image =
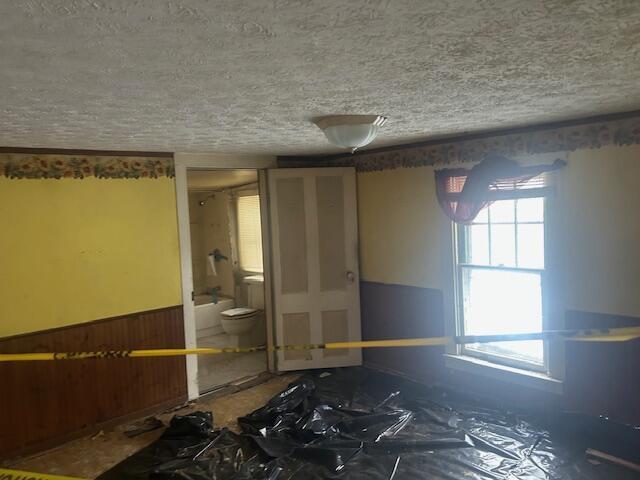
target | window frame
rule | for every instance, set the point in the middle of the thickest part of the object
(459, 243)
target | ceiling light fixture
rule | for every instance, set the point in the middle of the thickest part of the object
(351, 131)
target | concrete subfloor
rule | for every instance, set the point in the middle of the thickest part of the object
(90, 456)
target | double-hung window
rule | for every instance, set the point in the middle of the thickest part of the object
(500, 266)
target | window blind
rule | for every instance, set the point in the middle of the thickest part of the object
(249, 233)
(539, 181)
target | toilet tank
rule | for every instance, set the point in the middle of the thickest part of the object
(255, 291)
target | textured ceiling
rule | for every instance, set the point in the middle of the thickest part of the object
(246, 76)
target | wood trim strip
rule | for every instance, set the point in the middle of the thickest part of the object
(71, 151)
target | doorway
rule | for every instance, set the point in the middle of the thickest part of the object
(227, 269)
(310, 272)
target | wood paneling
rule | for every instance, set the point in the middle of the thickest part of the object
(600, 379)
(44, 401)
(397, 311)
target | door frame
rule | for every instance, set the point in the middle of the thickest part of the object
(211, 161)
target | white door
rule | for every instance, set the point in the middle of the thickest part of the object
(314, 233)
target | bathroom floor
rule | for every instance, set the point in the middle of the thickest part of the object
(216, 370)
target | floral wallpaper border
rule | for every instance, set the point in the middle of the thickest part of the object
(26, 166)
(564, 139)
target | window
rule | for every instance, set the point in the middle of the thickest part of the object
(500, 269)
(249, 233)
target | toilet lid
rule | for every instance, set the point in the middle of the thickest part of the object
(239, 312)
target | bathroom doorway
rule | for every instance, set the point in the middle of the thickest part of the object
(227, 268)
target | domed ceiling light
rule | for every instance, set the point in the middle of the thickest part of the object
(351, 131)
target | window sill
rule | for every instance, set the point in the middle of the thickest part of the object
(519, 376)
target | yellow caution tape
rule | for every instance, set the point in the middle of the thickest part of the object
(593, 335)
(6, 474)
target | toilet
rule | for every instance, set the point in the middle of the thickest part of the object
(242, 324)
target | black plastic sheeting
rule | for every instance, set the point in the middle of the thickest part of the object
(360, 424)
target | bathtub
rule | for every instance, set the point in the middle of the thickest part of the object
(208, 320)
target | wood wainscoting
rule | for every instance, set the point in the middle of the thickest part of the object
(45, 403)
(399, 311)
(600, 378)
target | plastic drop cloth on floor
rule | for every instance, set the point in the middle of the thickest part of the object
(356, 423)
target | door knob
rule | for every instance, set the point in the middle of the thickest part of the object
(351, 276)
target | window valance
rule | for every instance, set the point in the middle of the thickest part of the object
(463, 192)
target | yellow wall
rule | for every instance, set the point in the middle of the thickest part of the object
(73, 251)
(403, 233)
(594, 230)
(599, 208)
